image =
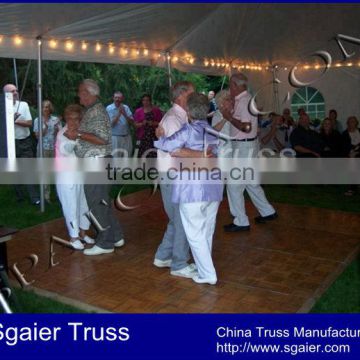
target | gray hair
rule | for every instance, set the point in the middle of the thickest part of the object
(180, 88)
(198, 106)
(91, 86)
(221, 96)
(239, 79)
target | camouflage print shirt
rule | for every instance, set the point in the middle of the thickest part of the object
(95, 121)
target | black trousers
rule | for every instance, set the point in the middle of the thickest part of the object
(24, 149)
(99, 203)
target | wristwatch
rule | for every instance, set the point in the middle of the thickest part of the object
(78, 136)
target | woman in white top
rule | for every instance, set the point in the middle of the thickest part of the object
(71, 194)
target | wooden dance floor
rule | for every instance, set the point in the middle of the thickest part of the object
(281, 266)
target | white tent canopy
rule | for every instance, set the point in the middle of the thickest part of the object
(193, 33)
(205, 38)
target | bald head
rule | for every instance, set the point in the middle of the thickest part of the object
(12, 89)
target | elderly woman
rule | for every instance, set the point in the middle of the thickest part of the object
(146, 120)
(51, 125)
(198, 202)
(71, 195)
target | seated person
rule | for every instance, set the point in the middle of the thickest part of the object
(332, 140)
(198, 202)
(351, 145)
(273, 137)
(306, 142)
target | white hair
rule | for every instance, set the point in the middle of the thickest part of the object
(239, 79)
(180, 88)
(198, 106)
(91, 86)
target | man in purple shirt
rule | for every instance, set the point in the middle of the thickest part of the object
(199, 201)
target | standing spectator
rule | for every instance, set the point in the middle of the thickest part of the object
(146, 120)
(244, 144)
(351, 141)
(333, 144)
(212, 106)
(306, 142)
(94, 140)
(121, 119)
(70, 193)
(51, 125)
(23, 140)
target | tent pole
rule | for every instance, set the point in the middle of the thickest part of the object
(39, 96)
(15, 74)
(276, 103)
(168, 66)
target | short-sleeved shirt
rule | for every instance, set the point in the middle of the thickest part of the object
(49, 137)
(96, 122)
(121, 128)
(173, 121)
(241, 112)
(22, 132)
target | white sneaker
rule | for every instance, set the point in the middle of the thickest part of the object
(120, 243)
(162, 263)
(186, 272)
(96, 250)
(199, 280)
(88, 240)
(77, 245)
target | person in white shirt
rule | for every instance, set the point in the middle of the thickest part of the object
(173, 252)
(243, 131)
(120, 117)
(71, 193)
(23, 140)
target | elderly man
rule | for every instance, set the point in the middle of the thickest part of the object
(244, 144)
(23, 140)
(94, 140)
(120, 116)
(173, 251)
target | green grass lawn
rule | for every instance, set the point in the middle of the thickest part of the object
(342, 296)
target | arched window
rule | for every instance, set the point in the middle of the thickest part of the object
(311, 100)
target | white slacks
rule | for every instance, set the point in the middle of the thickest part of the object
(74, 207)
(199, 221)
(235, 192)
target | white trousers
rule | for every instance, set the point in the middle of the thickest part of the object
(199, 221)
(74, 207)
(235, 192)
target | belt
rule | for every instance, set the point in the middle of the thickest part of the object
(27, 138)
(121, 135)
(250, 139)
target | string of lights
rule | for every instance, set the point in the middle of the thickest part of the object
(70, 46)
